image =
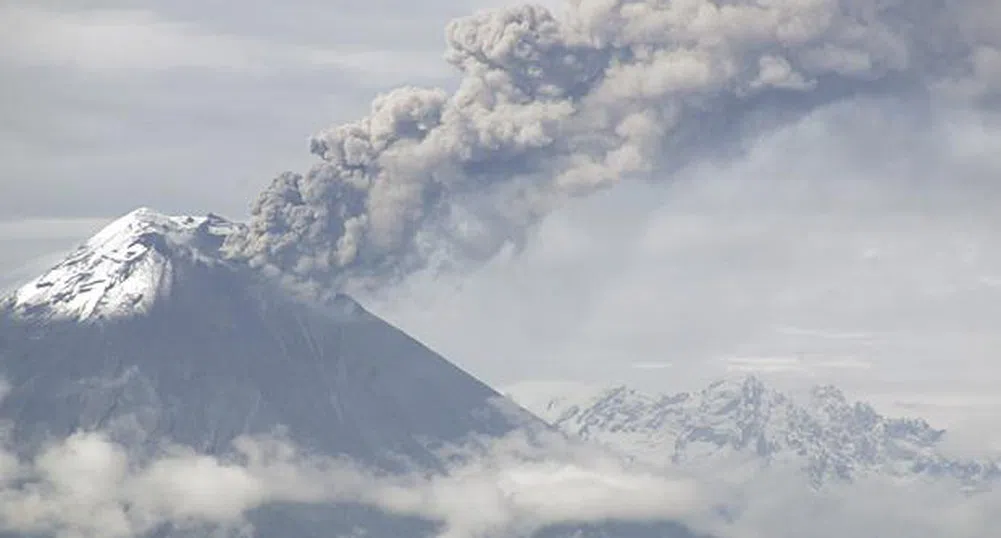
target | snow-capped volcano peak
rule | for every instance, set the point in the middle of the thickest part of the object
(122, 269)
(148, 332)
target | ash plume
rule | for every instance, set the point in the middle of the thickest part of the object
(550, 107)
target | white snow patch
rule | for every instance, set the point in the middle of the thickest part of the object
(121, 270)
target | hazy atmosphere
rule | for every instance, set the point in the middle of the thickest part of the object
(853, 242)
(591, 192)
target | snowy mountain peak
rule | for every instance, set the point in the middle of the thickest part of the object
(748, 393)
(147, 332)
(122, 269)
(825, 434)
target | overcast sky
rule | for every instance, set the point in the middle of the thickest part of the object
(864, 253)
(183, 106)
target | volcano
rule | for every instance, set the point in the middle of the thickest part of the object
(147, 332)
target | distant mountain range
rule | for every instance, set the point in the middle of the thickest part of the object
(824, 434)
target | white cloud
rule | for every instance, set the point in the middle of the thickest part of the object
(71, 489)
(778, 504)
(513, 485)
(89, 486)
(199, 487)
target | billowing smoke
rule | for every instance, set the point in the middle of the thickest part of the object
(549, 107)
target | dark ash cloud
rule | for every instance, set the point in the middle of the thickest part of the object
(550, 107)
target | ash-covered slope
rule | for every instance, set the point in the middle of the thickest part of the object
(825, 434)
(146, 332)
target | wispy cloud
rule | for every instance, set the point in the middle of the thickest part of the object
(50, 228)
(778, 504)
(651, 365)
(133, 39)
(764, 364)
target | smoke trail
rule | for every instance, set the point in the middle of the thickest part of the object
(553, 107)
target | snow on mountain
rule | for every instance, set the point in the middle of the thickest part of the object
(825, 434)
(122, 269)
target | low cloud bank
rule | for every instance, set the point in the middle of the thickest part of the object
(88, 486)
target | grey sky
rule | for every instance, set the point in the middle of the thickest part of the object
(127, 104)
(865, 252)
(849, 248)
(183, 106)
